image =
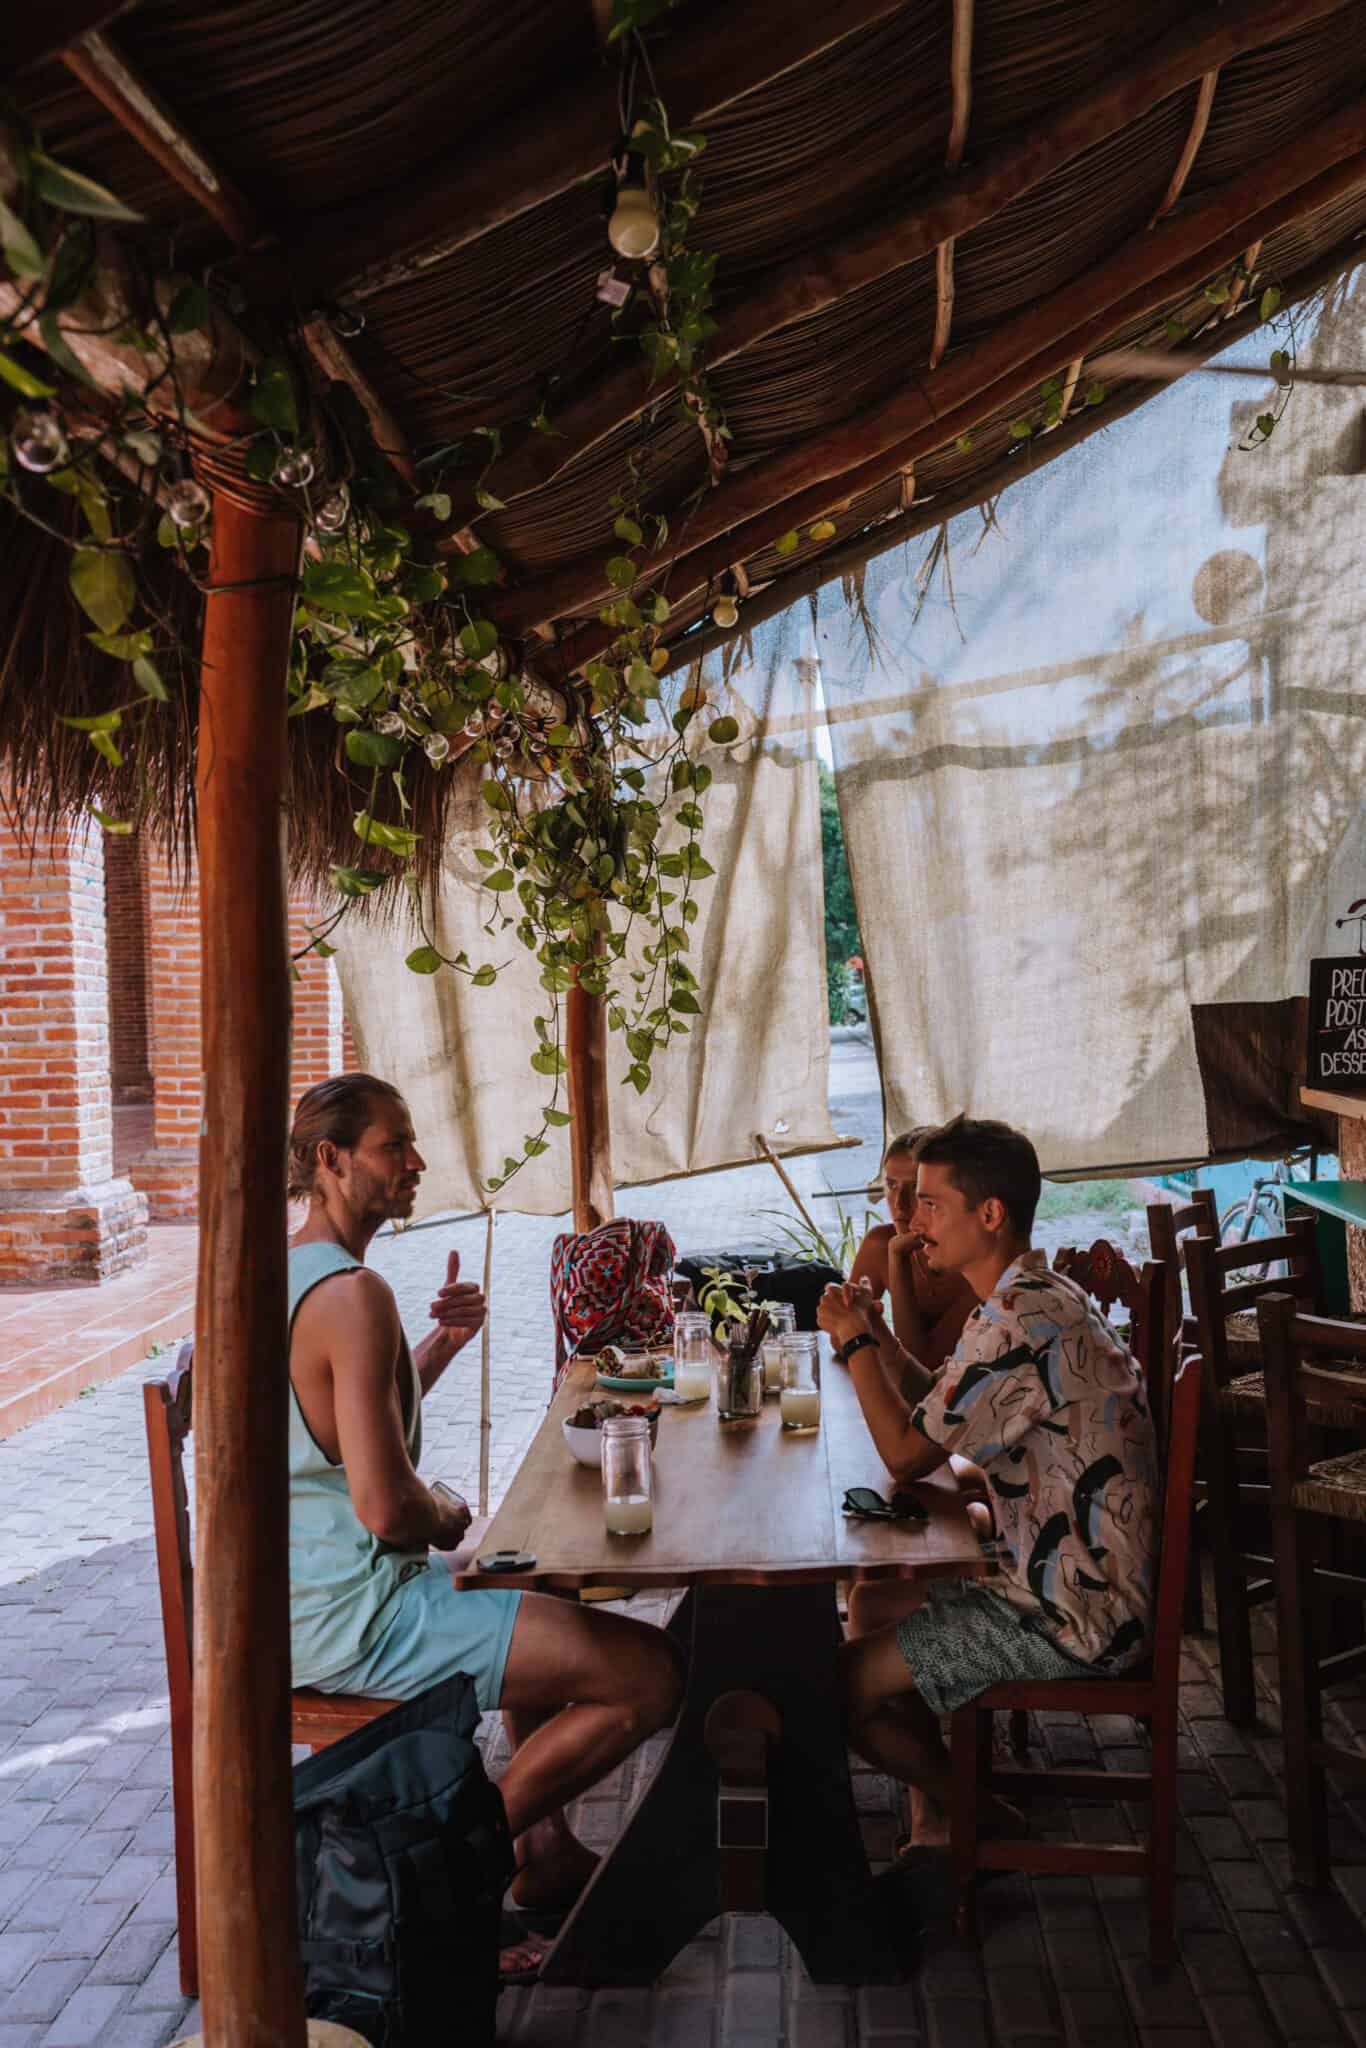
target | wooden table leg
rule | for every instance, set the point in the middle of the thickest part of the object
(661, 1882)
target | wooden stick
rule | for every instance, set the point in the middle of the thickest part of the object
(134, 105)
(878, 540)
(960, 68)
(1004, 369)
(1242, 281)
(251, 1985)
(762, 1144)
(1071, 379)
(1163, 365)
(590, 1132)
(1195, 135)
(953, 204)
(485, 1417)
(553, 145)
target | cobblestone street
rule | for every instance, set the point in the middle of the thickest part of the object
(87, 1903)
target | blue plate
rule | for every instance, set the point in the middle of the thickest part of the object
(618, 1385)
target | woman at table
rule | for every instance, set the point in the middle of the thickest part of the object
(929, 1308)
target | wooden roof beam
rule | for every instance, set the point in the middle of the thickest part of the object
(774, 597)
(1190, 149)
(134, 105)
(1003, 370)
(32, 35)
(546, 149)
(960, 71)
(950, 206)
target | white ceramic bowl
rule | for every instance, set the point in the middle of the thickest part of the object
(584, 1444)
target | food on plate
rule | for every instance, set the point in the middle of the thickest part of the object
(629, 1365)
(593, 1414)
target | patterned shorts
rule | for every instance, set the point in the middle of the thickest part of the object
(966, 1638)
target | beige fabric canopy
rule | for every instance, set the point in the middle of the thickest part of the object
(756, 1062)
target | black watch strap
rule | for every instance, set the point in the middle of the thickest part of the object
(856, 1343)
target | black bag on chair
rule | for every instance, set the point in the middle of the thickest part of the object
(402, 1855)
(778, 1276)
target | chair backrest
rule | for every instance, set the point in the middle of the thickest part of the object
(1290, 1342)
(1108, 1277)
(1178, 1497)
(1167, 1223)
(167, 1411)
(1214, 1300)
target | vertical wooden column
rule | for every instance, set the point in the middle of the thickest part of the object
(251, 1985)
(590, 1133)
(1352, 1164)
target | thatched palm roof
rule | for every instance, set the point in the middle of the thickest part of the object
(922, 212)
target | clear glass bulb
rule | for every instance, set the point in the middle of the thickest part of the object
(293, 469)
(188, 504)
(331, 516)
(38, 441)
(390, 724)
(725, 611)
(633, 229)
(436, 747)
(474, 726)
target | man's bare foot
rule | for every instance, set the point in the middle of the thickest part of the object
(521, 1953)
(553, 1867)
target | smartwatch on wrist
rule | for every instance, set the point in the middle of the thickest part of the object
(855, 1343)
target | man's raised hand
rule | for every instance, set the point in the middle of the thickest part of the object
(458, 1312)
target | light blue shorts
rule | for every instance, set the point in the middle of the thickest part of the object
(434, 1632)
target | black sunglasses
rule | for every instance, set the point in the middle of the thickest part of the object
(865, 1505)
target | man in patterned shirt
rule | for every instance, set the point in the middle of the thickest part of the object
(1043, 1396)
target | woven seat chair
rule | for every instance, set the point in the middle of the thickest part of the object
(1315, 1367)
(316, 1718)
(1232, 1435)
(1149, 1694)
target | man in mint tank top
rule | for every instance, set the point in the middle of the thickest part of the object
(372, 1609)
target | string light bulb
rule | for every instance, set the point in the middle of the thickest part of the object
(436, 747)
(633, 229)
(331, 516)
(725, 612)
(188, 504)
(293, 469)
(38, 441)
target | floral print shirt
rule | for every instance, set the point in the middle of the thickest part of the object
(1042, 1394)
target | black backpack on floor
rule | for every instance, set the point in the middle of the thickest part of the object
(401, 1856)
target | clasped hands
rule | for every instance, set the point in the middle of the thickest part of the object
(848, 1309)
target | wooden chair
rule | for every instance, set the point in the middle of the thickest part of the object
(316, 1718)
(1168, 1224)
(1108, 1277)
(1151, 1695)
(1234, 1408)
(1315, 1371)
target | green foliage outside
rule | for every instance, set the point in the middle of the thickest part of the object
(1085, 1198)
(841, 925)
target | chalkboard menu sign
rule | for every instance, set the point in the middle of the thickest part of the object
(1337, 1023)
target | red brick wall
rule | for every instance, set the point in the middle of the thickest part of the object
(169, 1172)
(62, 1214)
(125, 931)
(57, 1130)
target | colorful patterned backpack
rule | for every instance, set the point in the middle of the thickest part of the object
(612, 1285)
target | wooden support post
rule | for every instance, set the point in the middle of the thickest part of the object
(485, 1343)
(590, 1133)
(1352, 1165)
(251, 1985)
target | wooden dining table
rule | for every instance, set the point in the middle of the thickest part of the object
(751, 1806)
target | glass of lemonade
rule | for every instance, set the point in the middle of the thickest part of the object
(800, 1393)
(694, 1355)
(627, 1478)
(782, 1322)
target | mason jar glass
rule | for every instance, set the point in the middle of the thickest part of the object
(800, 1397)
(782, 1320)
(694, 1355)
(627, 1479)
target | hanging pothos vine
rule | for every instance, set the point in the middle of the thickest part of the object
(584, 786)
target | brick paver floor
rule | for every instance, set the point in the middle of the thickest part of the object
(87, 1903)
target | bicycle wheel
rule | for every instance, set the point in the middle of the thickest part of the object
(1265, 1222)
